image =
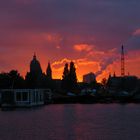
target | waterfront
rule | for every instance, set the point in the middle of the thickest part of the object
(72, 122)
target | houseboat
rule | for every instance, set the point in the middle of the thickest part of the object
(24, 97)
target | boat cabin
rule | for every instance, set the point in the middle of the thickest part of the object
(23, 97)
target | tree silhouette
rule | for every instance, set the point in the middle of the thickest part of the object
(4, 81)
(69, 78)
(72, 77)
(65, 77)
(17, 81)
(11, 80)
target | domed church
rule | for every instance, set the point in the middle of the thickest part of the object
(34, 77)
(35, 67)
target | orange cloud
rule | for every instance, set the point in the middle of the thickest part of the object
(94, 61)
(60, 62)
(82, 65)
(82, 47)
(132, 61)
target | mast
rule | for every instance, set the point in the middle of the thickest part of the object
(122, 62)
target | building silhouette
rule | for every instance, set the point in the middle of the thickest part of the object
(35, 67)
(34, 78)
(88, 78)
(49, 71)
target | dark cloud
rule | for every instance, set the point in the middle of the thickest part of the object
(75, 13)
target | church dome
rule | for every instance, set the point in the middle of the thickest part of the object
(35, 66)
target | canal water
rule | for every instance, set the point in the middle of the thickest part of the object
(72, 122)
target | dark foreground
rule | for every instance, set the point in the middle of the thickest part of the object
(72, 122)
(87, 99)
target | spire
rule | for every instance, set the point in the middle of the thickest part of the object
(35, 65)
(122, 62)
(34, 57)
(49, 71)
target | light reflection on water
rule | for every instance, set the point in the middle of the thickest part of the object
(72, 122)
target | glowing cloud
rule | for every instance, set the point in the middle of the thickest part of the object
(61, 31)
(82, 65)
(83, 47)
(137, 32)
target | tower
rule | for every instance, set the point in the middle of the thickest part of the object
(122, 62)
(49, 71)
(35, 66)
(34, 76)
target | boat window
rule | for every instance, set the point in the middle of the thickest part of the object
(25, 96)
(18, 96)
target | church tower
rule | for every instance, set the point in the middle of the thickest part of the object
(34, 76)
(49, 71)
(35, 67)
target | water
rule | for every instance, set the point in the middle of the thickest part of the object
(72, 122)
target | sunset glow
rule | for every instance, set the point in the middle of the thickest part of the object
(90, 33)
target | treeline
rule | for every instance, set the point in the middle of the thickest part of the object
(11, 79)
(38, 79)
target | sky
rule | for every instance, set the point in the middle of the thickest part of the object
(88, 32)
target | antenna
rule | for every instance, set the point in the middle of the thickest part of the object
(122, 62)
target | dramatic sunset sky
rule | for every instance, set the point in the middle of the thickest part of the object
(89, 32)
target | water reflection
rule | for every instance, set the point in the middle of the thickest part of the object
(72, 122)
